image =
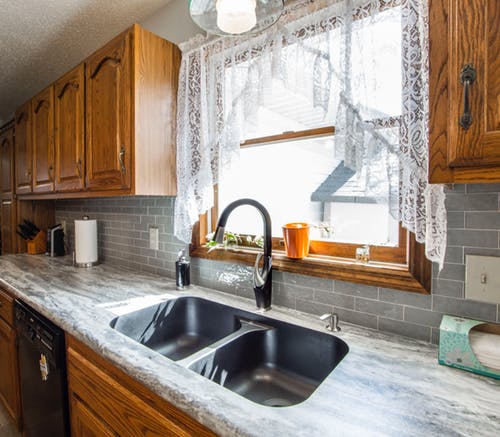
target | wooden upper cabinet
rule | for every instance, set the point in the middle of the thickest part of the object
(106, 127)
(42, 114)
(69, 130)
(131, 93)
(7, 163)
(23, 155)
(464, 91)
(109, 115)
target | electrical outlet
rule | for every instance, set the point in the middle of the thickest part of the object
(154, 238)
(482, 278)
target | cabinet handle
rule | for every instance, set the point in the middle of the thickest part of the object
(121, 159)
(79, 168)
(467, 78)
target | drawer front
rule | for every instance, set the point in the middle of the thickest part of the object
(6, 307)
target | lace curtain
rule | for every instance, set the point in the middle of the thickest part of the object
(343, 58)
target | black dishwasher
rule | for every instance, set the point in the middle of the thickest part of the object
(42, 368)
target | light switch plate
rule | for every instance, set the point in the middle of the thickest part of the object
(482, 278)
(154, 238)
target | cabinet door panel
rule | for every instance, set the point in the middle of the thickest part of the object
(474, 26)
(84, 423)
(7, 164)
(23, 151)
(43, 141)
(109, 116)
(69, 97)
(8, 226)
(9, 378)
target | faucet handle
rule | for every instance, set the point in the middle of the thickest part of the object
(333, 319)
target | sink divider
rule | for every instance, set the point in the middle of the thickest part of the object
(247, 326)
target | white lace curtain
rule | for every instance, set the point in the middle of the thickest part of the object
(363, 62)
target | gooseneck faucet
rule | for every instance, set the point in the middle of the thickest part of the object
(262, 278)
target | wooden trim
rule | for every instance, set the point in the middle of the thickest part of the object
(75, 195)
(288, 136)
(387, 275)
(7, 126)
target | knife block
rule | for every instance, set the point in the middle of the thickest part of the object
(38, 245)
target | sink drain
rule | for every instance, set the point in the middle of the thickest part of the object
(277, 402)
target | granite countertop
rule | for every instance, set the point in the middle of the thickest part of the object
(386, 385)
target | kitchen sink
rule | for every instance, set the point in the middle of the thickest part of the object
(179, 327)
(268, 361)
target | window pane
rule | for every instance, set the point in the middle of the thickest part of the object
(303, 181)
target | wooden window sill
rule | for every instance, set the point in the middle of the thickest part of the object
(387, 275)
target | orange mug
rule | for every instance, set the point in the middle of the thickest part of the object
(296, 237)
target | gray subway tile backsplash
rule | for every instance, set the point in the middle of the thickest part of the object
(472, 202)
(473, 228)
(420, 332)
(473, 238)
(356, 289)
(405, 298)
(379, 308)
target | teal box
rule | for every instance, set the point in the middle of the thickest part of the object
(455, 349)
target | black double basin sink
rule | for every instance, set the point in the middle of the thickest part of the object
(268, 361)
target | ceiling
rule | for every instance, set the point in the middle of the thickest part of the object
(41, 40)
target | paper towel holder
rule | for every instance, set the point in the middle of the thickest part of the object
(85, 265)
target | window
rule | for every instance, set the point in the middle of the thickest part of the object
(292, 161)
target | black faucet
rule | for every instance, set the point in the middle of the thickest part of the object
(262, 278)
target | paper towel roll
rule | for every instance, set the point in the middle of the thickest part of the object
(85, 242)
(486, 347)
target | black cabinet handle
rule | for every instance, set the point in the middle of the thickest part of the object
(467, 78)
(121, 159)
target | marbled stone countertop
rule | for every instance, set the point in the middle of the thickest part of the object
(386, 385)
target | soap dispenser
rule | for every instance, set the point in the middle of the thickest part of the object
(182, 271)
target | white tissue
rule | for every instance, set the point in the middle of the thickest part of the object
(486, 347)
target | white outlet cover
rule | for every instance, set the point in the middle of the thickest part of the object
(154, 238)
(482, 278)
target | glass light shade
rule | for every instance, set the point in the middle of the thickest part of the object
(235, 17)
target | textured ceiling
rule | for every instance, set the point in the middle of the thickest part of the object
(42, 39)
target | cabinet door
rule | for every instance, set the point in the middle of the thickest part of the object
(23, 149)
(84, 423)
(9, 377)
(109, 116)
(475, 53)
(464, 94)
(43, 141)
(8, 226)
(69, 97)
(7, 164)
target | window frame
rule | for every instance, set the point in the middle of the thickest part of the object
(402, 267)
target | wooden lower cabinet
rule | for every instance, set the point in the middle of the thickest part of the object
(10, 396)
(104, 401)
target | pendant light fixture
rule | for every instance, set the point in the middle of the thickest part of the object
(235, 17)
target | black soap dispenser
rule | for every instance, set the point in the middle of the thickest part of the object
(182, 271)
